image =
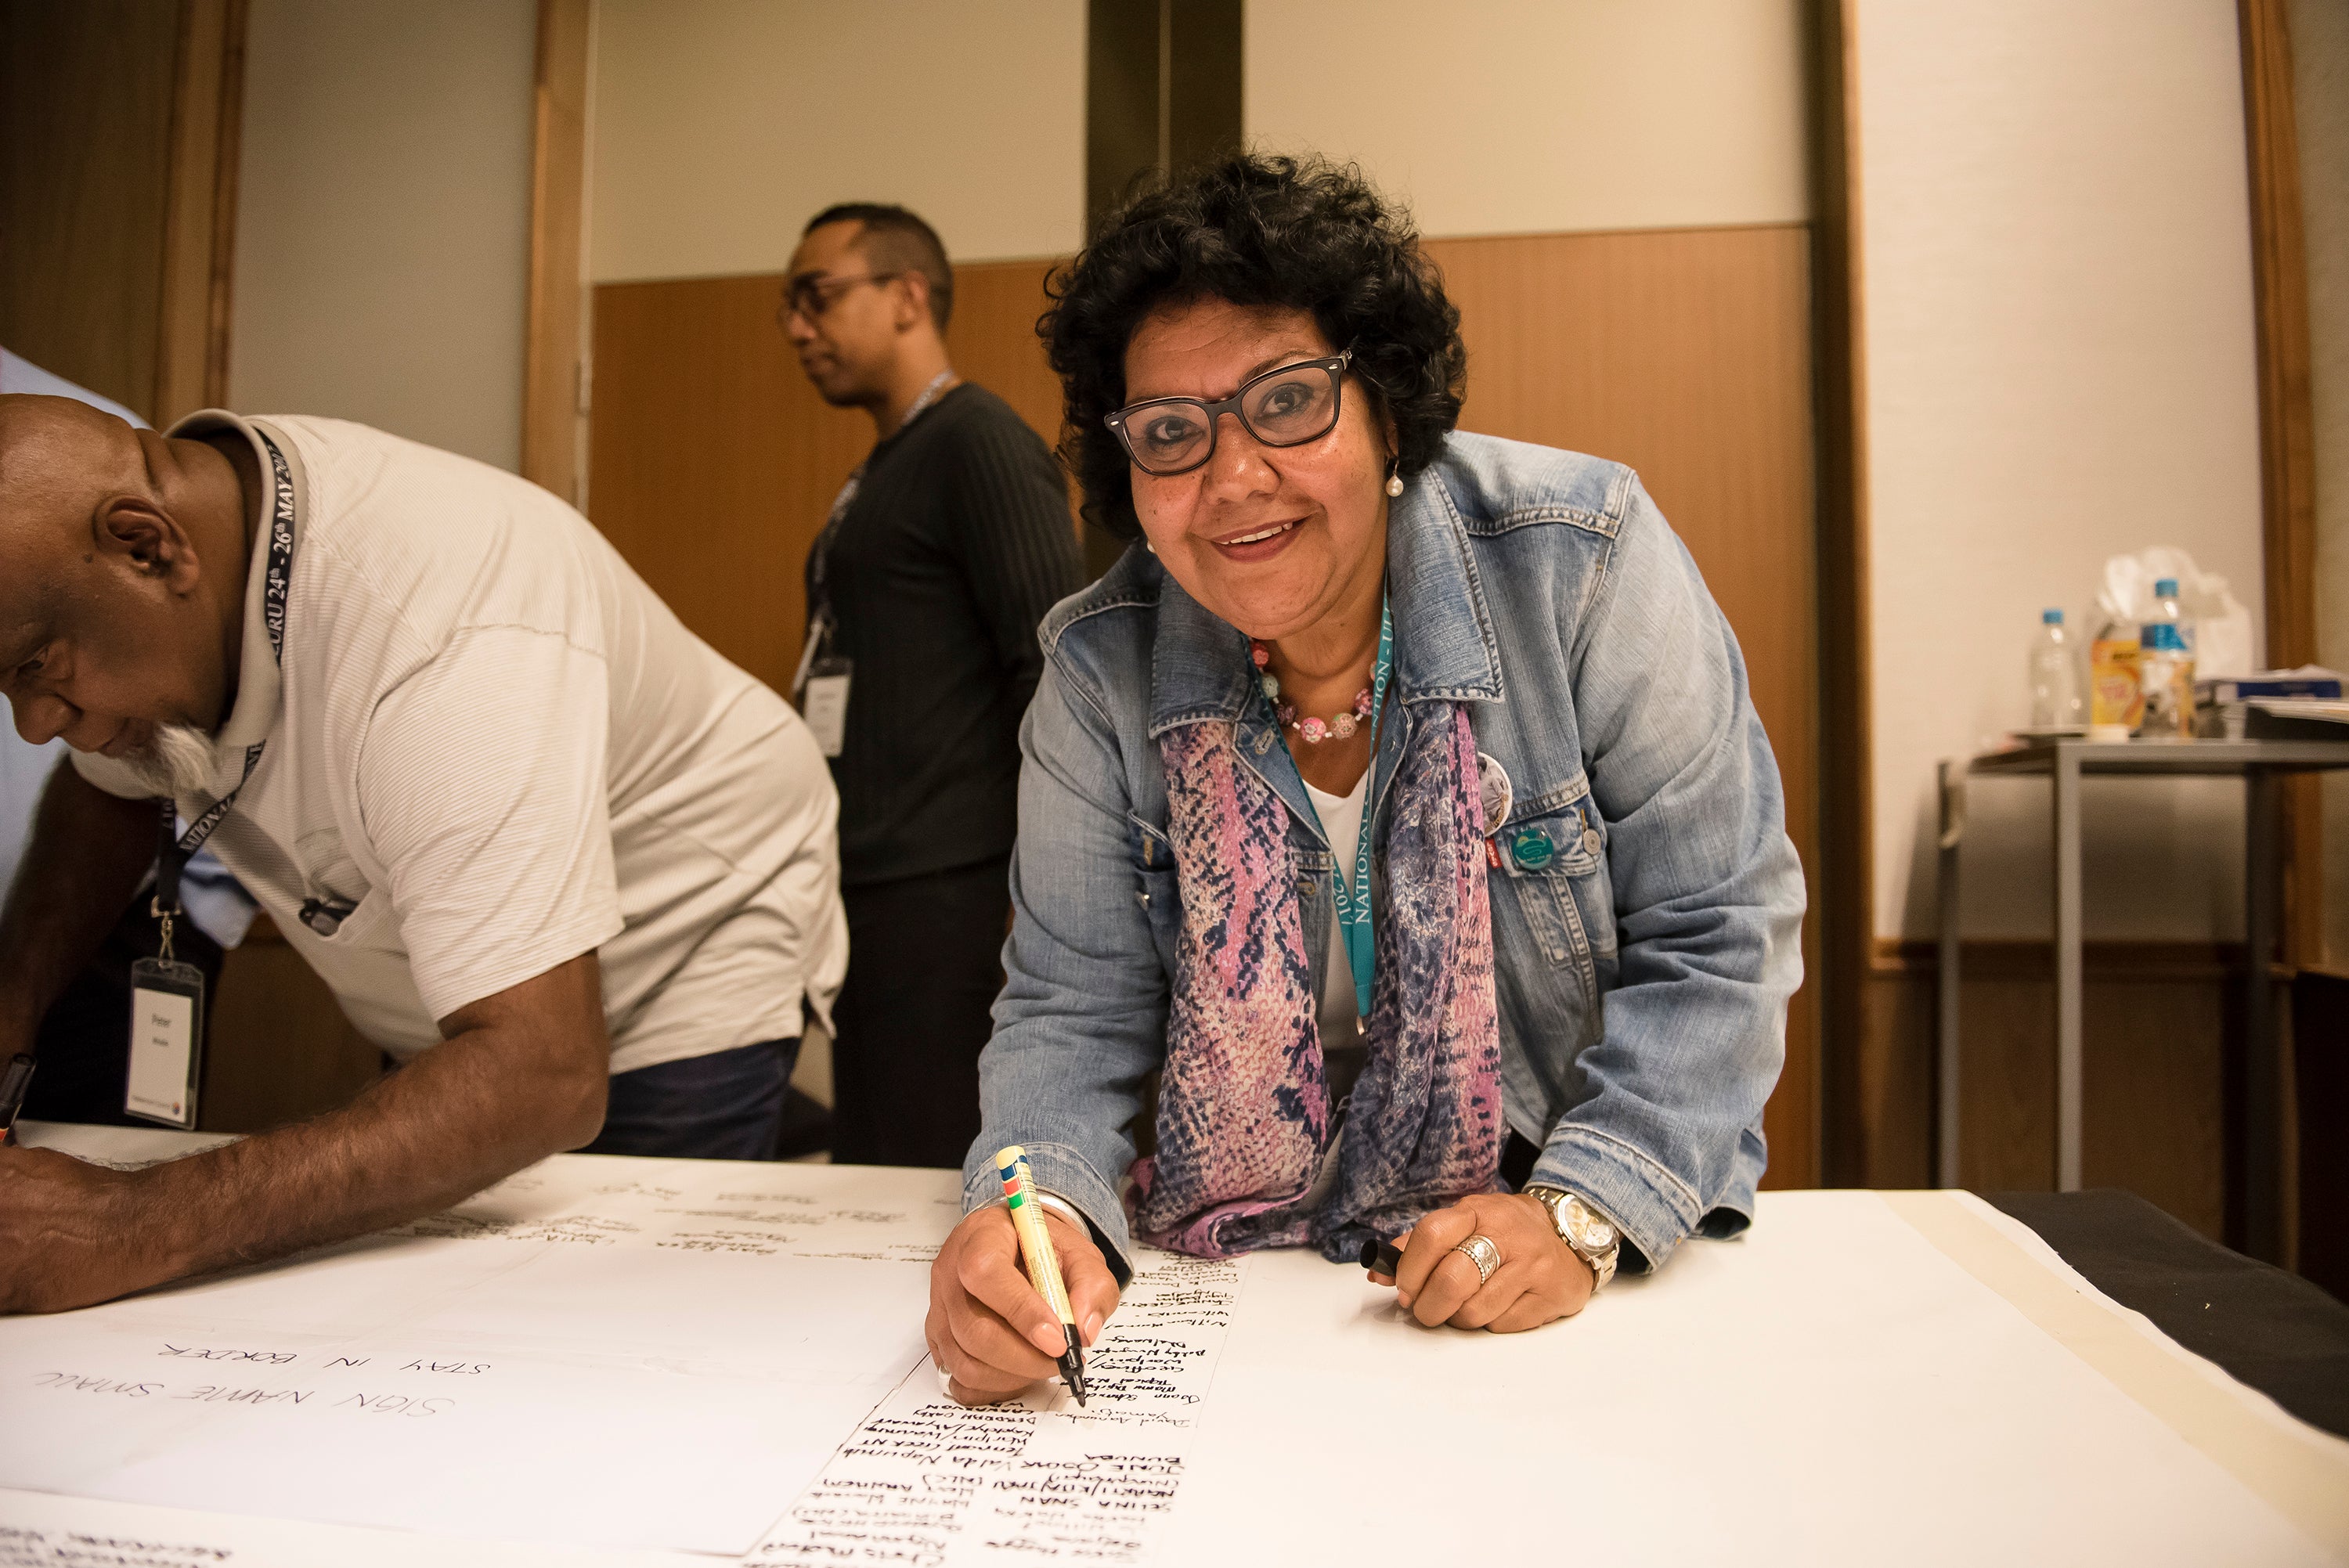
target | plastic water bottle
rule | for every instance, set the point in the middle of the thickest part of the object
(2165, 666)
(2055, 676)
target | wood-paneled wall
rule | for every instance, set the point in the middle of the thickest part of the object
(85, 176)
(281, 1049)
(712, 462)
(1682, 353)
(118, 194)
(2158, 1023)
(1686, 353)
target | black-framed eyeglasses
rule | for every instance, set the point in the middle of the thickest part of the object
(1286, 407)
(811, 297)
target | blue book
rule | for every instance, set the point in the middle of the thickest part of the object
(2242, 688)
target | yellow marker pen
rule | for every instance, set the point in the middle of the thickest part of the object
(1044, 1263)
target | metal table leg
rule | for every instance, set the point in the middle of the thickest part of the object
(1953, 828)
(2067, 781)
(2262, 1173)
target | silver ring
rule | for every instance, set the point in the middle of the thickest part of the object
(1479, 1250)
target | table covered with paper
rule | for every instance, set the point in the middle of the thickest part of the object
(640, 1362)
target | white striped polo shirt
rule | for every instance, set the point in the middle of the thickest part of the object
(499, 749)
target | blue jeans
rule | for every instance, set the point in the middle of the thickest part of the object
(727, 1105)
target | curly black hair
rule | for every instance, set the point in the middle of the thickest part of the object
(1257, 231)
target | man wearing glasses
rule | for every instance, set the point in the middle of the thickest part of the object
(945, 549)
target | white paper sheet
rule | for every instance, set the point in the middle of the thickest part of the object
(1830, 1388)
(1042, 1480)
(652, 1353)
(674, 1352)
(39, 1530)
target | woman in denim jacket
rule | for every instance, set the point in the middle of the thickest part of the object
(1401, 804)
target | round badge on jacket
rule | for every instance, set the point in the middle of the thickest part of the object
(1492, 785)
(1532, 849)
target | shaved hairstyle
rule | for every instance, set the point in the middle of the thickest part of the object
(52, 451)
(895, 240)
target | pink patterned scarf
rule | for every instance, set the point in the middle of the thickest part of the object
(1244, 1113)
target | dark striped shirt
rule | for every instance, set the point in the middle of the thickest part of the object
(959, 541)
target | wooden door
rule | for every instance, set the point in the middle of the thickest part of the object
(118, 190)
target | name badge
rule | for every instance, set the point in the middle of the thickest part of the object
(167, 1012)
(1494, 792)
(824, 703)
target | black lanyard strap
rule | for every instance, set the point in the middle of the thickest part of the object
(173, 849)
(820, 616)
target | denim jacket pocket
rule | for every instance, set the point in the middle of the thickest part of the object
(1154, 885)
(1555, 863)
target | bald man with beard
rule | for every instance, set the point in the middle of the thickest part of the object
(573, 871)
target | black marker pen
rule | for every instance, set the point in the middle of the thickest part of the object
(15, 1079)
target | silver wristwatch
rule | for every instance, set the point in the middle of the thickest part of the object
(1591, 1234)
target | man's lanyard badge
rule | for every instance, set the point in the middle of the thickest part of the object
(166, 997)
(820, 686)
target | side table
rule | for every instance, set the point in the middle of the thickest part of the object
(2259, 763)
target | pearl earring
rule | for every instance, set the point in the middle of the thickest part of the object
(1394, 479)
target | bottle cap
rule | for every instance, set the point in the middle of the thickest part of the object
(2051, 618)
(2165, 588)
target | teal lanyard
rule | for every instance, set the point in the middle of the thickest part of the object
(1354, 897)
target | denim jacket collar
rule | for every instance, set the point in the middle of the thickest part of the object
(1445, 645)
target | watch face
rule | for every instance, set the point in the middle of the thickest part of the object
(1588, 1228)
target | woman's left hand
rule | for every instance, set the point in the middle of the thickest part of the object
(1539, 1280)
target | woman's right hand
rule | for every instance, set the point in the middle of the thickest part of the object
(988, 1330)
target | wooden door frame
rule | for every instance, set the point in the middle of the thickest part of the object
(2287, 432)
(1846, 773)
(200, 210)
(555, 344)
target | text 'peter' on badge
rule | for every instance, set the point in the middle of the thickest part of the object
(824, 703)
(167, 1047)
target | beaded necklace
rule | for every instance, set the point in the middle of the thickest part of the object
(1313, 731)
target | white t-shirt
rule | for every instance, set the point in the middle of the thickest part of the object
(496, 746)
(1342, 820)
(1342, 1042)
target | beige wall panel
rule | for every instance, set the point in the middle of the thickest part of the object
(383, 225)
(1495, 116)
(1685, 354)
(722, 126)
(2061, 367)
